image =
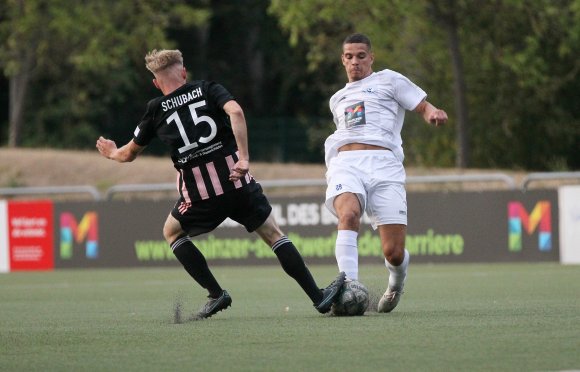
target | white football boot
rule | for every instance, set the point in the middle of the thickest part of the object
(390, 300)
(397, 276)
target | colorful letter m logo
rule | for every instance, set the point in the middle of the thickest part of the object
(540, 219)
(71, 231)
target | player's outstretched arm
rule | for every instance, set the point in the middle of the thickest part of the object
(127, 153)
(431, 114)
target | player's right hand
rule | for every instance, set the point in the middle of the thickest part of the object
(106, 147)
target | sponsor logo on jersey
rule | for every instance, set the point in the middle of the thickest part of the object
(355, 115)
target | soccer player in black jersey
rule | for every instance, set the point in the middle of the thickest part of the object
(206, 131)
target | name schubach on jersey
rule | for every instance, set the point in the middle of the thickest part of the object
(181, 99)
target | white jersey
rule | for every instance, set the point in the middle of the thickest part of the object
(372, 111)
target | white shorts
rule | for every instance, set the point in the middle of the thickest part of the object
(376, 177)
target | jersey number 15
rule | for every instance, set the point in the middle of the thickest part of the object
(196, 120)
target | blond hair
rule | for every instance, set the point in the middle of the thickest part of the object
(159, 60)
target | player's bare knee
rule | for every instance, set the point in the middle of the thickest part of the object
(170, 234)
(270, 232)
(168, 237)
(349, 220)
(394, 256)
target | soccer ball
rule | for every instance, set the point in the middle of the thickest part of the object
(352, 300)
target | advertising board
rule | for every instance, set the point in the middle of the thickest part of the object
(502, 226)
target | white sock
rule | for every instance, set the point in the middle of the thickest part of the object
(346, 252)
(397, 274)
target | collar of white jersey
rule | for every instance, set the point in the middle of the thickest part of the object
(361, 80)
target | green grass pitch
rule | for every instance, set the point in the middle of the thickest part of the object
(501, 317)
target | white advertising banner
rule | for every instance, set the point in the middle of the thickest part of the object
(4, 251)
(569, 205)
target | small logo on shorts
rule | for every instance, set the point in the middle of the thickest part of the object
(339, 187)
(403, 213)
(183, 207)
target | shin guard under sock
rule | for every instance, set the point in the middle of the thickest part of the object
(195, 264)
(294, 265)
(346, 252)
(397, 274)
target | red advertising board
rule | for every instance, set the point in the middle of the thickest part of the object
(30, 239)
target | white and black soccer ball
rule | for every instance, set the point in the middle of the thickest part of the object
(352, 300)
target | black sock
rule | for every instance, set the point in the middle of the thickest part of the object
(195, 264)
(294, 265)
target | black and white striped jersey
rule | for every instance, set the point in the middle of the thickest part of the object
(192, 122)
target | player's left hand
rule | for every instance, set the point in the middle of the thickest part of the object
(240, 169)
(438, 117)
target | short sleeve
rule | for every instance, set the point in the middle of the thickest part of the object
(218, 94)
(145, 131)
(407, 94)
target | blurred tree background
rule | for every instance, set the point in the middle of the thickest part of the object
(506, 71)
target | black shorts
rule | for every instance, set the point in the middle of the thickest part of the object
(248, 206)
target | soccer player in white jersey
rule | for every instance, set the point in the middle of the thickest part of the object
(206, 131)
(364, 159)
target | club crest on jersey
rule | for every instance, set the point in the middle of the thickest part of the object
(355, 115)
